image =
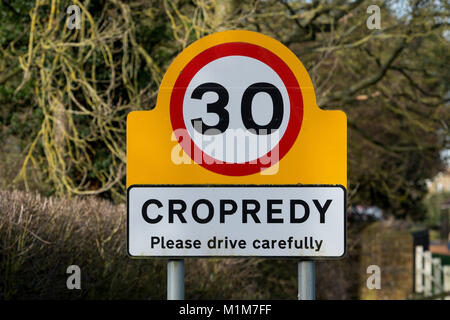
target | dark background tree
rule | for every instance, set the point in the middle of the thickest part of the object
(65, 93)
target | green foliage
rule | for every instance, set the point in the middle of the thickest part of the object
(432, 204)
(65, 93)
(40, 237)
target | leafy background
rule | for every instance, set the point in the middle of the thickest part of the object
(65, 94)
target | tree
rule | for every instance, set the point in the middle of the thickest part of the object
(391, 82)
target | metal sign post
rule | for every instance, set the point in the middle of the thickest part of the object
(175, 279)
(306, 280)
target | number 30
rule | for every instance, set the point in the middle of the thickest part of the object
(219, 106)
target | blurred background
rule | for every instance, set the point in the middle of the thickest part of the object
(65, 93)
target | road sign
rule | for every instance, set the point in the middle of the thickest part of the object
(256, 114)
(236, 128)
(258, 220)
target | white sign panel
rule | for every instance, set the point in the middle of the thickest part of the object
(236, 220)
(231, 86)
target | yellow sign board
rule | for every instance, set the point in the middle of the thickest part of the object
(237, 107)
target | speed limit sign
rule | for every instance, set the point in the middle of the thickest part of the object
(239, 95)
(237, 107)
(236, 158)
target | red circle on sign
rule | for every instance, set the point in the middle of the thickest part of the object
(255, 52)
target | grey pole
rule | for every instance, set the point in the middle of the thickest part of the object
(175, 279)
(306, 280)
